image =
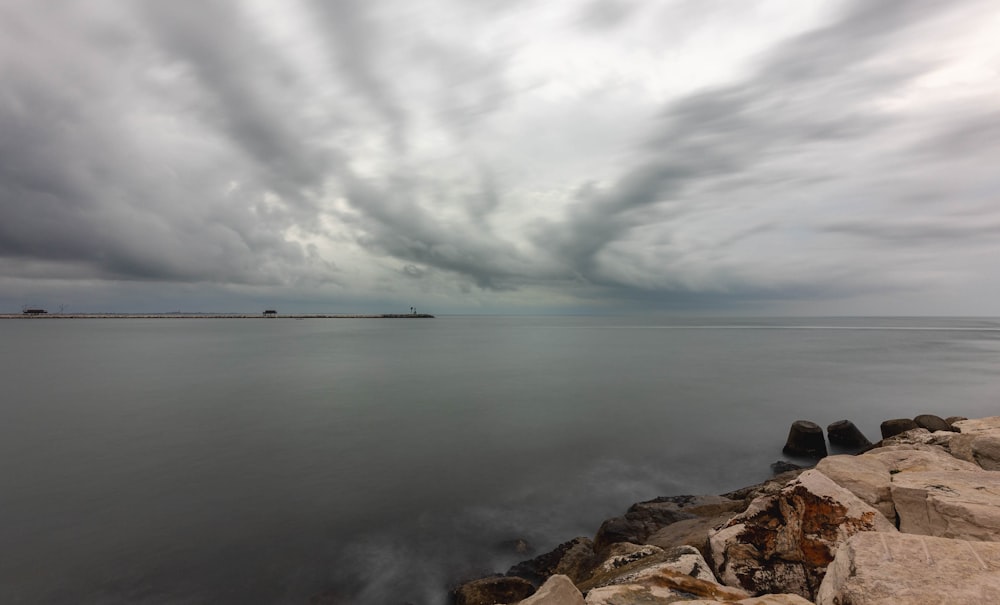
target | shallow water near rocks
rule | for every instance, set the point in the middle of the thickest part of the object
(252, 461)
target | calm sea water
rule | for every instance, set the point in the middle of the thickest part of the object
(240, 461)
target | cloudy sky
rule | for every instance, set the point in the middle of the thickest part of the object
(513, 156)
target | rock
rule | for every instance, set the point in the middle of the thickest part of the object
(557, 590)
(866, 477)
(771, 486)
(932, 423)
(805, 439)
(843, 433)
(949, 503)
(783, 466)
(896, 426)
(978, 425)
(624, 554)
(917, 436)
(953, 419)
(684, 560)
(918, 458)
(645, 518)
(982, 449)
(767, 599)
(492, 590)
(689, 532)
(783, 543)
(899, 569)
(660, 584)
(575, 559)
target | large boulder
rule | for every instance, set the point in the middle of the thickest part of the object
(557, 590)
(575, 559)
(767, 599)
(949, 503)
(900, 569)
(981, 448)
(866, 477)
(783, 543)
(978, 425)
(492, 590)
(917, 458)
(645, 518)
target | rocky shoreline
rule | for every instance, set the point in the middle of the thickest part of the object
(912, 519)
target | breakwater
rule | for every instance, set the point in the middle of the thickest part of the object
(214, 316)
(913, 519)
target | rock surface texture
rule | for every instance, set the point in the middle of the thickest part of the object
(949, 504)
(557, 590)
(900, 569)
(783, 543)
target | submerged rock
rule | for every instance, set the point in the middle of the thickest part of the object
(805, 438)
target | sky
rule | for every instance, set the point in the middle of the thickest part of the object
(772, 157)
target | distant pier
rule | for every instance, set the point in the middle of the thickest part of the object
(214, 316)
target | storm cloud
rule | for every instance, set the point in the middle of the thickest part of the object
(758, 157)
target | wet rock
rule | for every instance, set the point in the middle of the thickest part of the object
(844, 434)
(689, 532)
(492, 590)
(575, 559)
(557, 590)
(900, 569)
(866, 477)
(645, 518)
(932, 423)
(949, 504)
(783, 466)
(782, 543)
(897, 426)
(805, 439)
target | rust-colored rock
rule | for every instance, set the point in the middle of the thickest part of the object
(783, 543)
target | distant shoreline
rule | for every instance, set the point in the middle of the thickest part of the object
(214, 316)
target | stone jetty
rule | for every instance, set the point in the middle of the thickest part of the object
(914, 519)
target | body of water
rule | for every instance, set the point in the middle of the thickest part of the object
(196, 461)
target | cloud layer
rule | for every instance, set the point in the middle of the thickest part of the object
(501, 156)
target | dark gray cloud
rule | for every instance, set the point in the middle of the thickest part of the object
(495, 154)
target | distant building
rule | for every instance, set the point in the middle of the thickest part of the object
(270, 313)
(35, 312)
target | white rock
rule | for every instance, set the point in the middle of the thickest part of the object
(900, 569)
(903, 459)
(867, 478)
(949, 504)
(978, 425)
(557, 590)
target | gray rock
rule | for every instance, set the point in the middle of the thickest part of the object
(844, 434)
(806, 439)
(575, 559)
(896, 426)
(645, 518)
(689, 532)
(900, 569)
(932, 423)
